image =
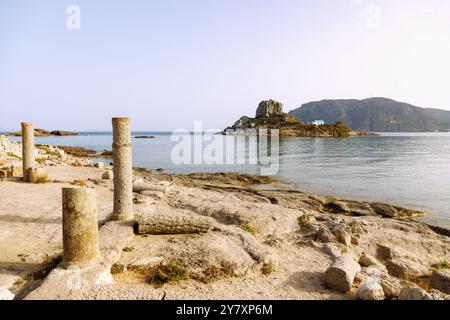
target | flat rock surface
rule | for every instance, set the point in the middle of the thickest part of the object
(31, 219)
(263, 244)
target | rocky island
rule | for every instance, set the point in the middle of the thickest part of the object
(270, 115)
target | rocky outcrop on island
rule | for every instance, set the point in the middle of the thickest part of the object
(44, 133)
(270, 115)
(269, 108)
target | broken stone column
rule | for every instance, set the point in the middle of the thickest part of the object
(27, 148)
(341, 274)
(161, 219)
(37, 174)
(123, 172)
(80, 227)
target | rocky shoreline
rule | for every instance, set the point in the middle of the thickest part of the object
(219, 236)
(44, 133)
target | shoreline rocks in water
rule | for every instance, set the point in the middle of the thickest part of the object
(144, 137)
(85, 153)
(270, 115)
(45, 133)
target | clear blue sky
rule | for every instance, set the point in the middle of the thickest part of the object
(167, 63)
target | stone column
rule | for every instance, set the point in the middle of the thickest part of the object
(80, 227)
(123, 171)
(27, 148)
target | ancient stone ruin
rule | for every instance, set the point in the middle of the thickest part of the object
(28, 148)
(80, 227)
(123, 170)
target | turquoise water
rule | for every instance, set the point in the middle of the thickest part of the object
(411, 170)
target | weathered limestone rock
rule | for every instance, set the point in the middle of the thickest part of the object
(114, 236)
(414, 293)
(392, 287)
(80, 227)
(384, 252)
(37, 174)
(404, 269)
(351, 208)
(367, 260)
(341, 274)
(142, 186)
(107, 175)
(163, 220)
(28, 160)
(440, 280)
(5, 294)
(438, 295)
(325, 235)
(61, 283)
(370, 290)
(269, 108)
(333, 249)
(147, 262)
(384, 210)
(123, 171)
(342, 235)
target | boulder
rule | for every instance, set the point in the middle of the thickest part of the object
(63, 133)
(269, 108)
(333, 249)
(342, 235)
(384, 210)
(404, 269)
(384, 252)
(370, 290)
(341, 273)
(414, 293)
(392, 287)
(367, 260)
(350, 208)
(325, 235)
(440, 280)
(107, 175)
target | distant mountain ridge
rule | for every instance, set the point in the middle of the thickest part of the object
(375, 114)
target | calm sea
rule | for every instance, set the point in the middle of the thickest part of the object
(411, 170)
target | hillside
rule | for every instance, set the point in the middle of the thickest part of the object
(375, 114)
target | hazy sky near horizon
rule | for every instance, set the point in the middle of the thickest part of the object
(168, 63)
